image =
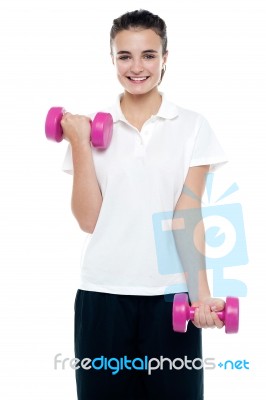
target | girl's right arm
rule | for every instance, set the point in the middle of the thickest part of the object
(86, 195)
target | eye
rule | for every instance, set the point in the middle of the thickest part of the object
(149, 56)
(123, 57)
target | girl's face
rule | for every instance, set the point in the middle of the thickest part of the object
(137, 56)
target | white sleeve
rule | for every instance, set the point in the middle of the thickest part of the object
(68, 163)
(207, 149)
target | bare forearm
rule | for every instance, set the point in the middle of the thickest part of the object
(197, 279)
(191, 250)
(189, 233)
(86, 195)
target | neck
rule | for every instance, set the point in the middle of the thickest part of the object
(141, 106)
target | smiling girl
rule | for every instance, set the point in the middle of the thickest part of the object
(159, 152)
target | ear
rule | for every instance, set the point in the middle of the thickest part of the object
(112, 57)
(165, 56)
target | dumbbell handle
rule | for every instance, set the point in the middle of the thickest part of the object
(220, 314)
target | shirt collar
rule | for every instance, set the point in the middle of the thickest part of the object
(167, 110)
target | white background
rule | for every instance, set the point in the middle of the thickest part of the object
(56, 52)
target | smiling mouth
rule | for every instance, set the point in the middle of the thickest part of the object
(138, 79)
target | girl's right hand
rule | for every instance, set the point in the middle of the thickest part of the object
(76, 128)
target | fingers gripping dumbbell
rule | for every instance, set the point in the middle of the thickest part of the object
(182, 313)
(101, 127)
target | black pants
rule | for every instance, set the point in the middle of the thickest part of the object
(138, 327)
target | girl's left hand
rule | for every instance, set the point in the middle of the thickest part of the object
(205, 313)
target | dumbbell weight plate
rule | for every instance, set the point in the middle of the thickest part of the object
(53, 129)
(101, 130)
(180, 313)
(231, 315)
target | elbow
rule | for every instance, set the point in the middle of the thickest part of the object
(86, 224)
(87, 227)
(86, 220)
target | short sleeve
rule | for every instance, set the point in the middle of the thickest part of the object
(68, 163)
(207, 149)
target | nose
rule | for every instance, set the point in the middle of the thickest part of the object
(136, 66)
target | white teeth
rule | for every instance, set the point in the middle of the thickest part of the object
(137, 79)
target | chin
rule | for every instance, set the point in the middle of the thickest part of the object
(140, 90)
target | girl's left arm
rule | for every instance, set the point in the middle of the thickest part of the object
(188, 213)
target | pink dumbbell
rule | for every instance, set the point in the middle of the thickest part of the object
(182, 313)
(101, 127)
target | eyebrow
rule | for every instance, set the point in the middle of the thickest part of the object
(143, 52)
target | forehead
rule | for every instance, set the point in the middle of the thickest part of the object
(137, 39)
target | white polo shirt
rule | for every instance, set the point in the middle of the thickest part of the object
(140, 175)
